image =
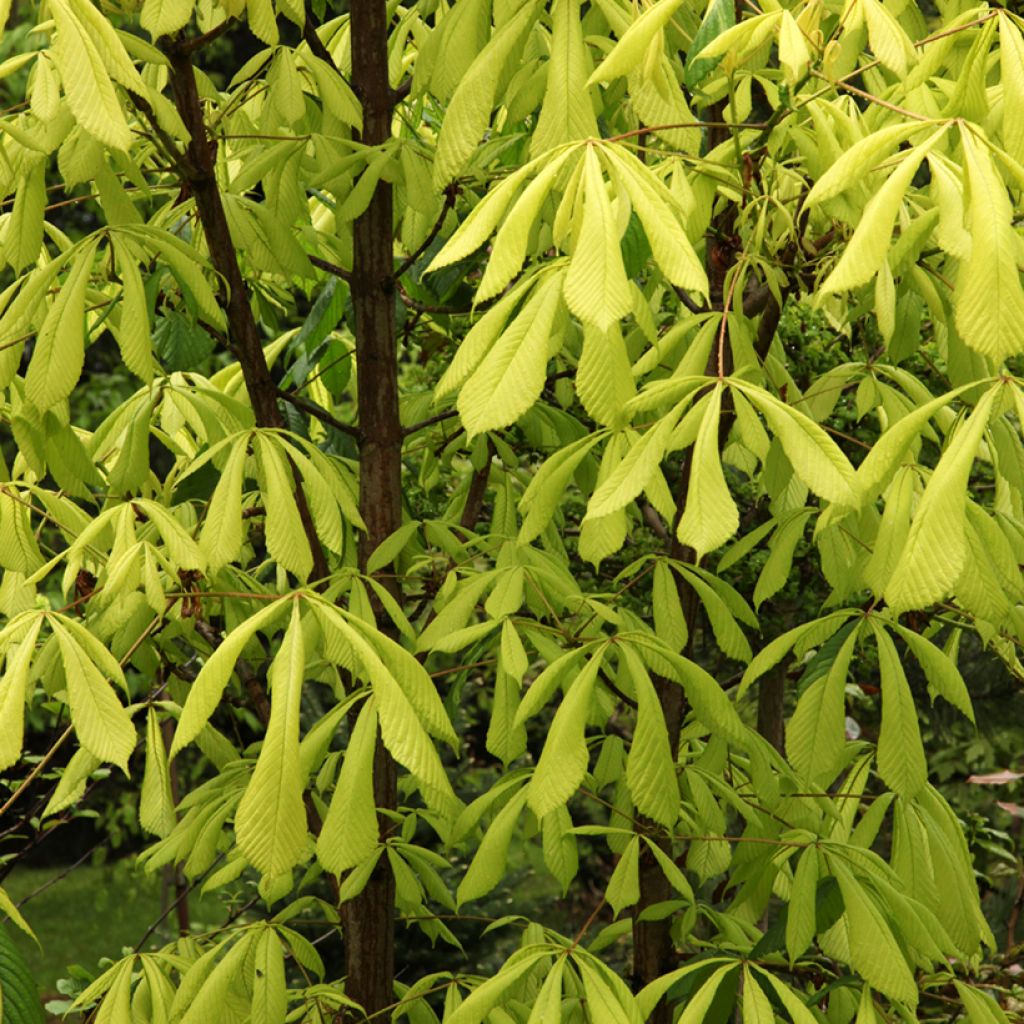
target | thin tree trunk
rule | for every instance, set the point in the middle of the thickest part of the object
(369, 919)
(653, 949)
(771, 718)
(198, 166)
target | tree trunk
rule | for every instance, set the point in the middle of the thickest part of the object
(369, 919)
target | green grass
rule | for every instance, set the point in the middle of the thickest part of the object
(91, 913)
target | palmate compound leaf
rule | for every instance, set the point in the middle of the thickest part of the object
(485, 216)
(710, 516)
(508, 253)
(405, 717)
(563, 761)
(989, 297)
(866, 250)
(270, 822)
(596, 286)
(936, 545)
(697, 1007)
(350, 833)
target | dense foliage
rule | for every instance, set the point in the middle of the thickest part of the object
(572, 434)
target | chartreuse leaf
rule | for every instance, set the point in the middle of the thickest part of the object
(1011, 67)
(901, 760)
(270, 822)
(803, 906)
(890, 43)
(656, 207)
(269, 989)
(350, 833)
(488, 995)
(286, 538)
(623, 889)
(757, 1008)
(485, 217)
(402, 721)
(13, 691)
(563, 761)
(101, 722)
(710, 516)
(60, 345)
(156, 805)
(566, 113)
(508, 252)
(795, 1006)
(488, 865)
(815, 733)
(697, 1007)
(887, 452)
(205, 694)
(547, 1007)
(860, 160)
(981, 1007)
(629, 51)
(134, 336)
(219, 987)
(989, 297)
(867, 248)
(469, 111)
(596, 286)
(634, 472)
(221, 535)
(87, 85)
(511, 376)
(650, 766)
(816, 459)
(939, 669)
(604, 379)
(874, 952)
(163, 17)
(936, 545)
(649, 996)
(706, 696)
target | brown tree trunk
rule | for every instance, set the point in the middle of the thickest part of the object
(653, 949)
(369, 919)
(198, 166)
(771, 718)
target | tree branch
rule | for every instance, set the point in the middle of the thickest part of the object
(320, 413)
